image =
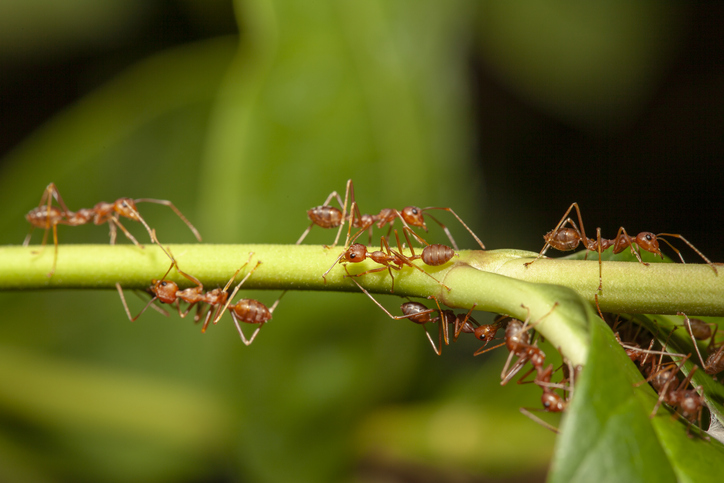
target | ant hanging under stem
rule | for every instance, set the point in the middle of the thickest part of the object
(518, 343)
(700, 330)
(420, 314)
(674, 393)
(47, 216)
(248, 310)
(167, 292)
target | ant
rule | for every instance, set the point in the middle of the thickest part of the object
(388, 258)
(674, 393)
(518, 343)
(565, 238)
(486, 333)
(248, 310)
(420, 314)
(47, 216)
(700, 330)
(552, 401)
(327, 216)
(167, 292)
(330, 217)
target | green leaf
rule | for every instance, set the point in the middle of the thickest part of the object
(607, 434)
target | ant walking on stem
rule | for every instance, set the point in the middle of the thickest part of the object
(388, 258)
(47, 216)
(567, 238)
(327, 216)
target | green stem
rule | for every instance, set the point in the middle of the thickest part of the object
(494, 280)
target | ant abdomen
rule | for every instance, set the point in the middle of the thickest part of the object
(251, 311)
(325, 216)
(436, 254)
(416, 312)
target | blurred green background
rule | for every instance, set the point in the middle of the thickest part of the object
(245, 114)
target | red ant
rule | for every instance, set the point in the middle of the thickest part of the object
(674, 393)
(248, 310)
(167, 292)
(564, 238)
(420, 314)
(700, 330)
(327, 216)
(486, 333)
(518, 343)
(388, 258)
(330, 217)
(47, 216)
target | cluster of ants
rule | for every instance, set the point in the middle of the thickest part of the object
(663, 375)
(566, 236)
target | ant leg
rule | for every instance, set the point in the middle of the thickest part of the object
(461, 222)
(459, 327)
(241, 334)
(687, 324)
(333, 194)
(690, 246)
(125, 305)
(538, 420)
(113, 222)
(429, 337)
(236, 289)
(175, 210)
(348, 190)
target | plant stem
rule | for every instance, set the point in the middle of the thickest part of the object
(494, 280)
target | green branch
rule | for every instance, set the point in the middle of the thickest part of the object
(494, 280)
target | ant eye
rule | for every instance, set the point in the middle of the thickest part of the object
(163, 284)
(414, 211)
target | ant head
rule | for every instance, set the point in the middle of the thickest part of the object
(486, 332)
(648, 241)
(164, 290)
(356, 253)
(126, 207)
(552, 402)
(413, 216)
(690, 404)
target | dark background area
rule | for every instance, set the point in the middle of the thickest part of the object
(659, 169)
